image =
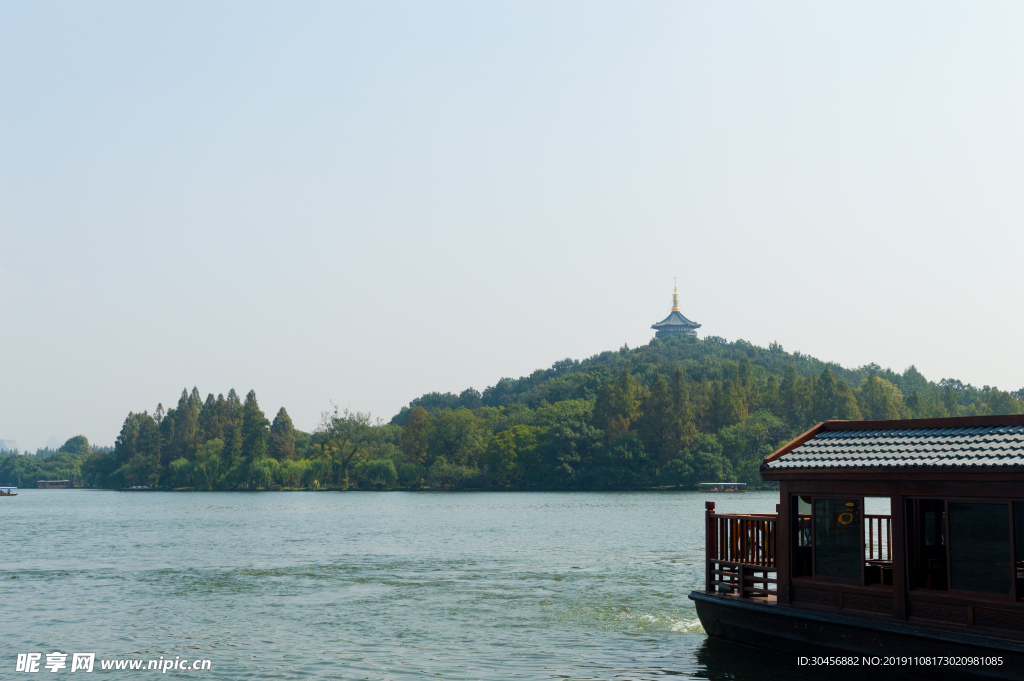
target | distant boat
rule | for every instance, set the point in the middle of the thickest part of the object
(8, 491)
(53, 484)
(722, 486)
(137, 488)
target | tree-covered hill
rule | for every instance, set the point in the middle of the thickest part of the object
(673, 413)
(682, 410)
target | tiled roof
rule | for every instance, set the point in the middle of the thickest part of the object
(675, 319)
(968, 446)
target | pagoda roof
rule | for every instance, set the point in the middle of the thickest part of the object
(675, 318)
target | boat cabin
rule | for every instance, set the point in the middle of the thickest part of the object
(917, 521)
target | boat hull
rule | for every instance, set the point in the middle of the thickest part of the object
(877, 646)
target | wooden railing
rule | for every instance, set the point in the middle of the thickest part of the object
(740, 551)
(878, 537)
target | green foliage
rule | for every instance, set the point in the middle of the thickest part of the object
(377, 474)
(445, 475)
(254, 429)
(79, 445)
(880, 399)
(674, 413)
(414, 435)
(342, 437)
(282, 437)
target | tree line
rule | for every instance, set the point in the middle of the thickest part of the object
(673, 413)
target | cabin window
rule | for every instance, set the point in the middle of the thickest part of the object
(964, 545)
(803, 557)
(847, 539)
(928, 548)
(1018, 546)
(838, 539)
(980, 551)
(878, 540)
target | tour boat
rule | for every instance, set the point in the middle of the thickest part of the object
(137, 488)
(8, 491)
(934, 587)
(53, 484)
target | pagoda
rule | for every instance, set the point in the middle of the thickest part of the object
(675, 324)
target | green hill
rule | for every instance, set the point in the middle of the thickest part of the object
(682, 410)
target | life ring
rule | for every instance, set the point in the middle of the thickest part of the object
(845, 518)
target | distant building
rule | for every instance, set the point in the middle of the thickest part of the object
(675, 324)
(8, 445)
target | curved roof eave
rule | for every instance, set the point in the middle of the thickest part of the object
(676, 319)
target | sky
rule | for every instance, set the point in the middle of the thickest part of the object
(355, 203)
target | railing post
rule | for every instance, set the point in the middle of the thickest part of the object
(710, 545)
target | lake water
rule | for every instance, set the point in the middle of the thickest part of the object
(388, 585)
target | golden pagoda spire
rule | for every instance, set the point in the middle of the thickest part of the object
(675, 296)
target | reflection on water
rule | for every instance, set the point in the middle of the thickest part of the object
(372, 585)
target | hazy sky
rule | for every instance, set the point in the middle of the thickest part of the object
(363, 202)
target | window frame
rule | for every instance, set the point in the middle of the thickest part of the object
(1015, 594)
(795, 500)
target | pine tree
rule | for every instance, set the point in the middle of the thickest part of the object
(185, 438)
(282, 437)
(233, 445)
(254, 429)
(210, 425)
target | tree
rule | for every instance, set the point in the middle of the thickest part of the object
(470, 399)
(728, 406)
(622, 463)
(341, 436)
(508, 452)
(458, 436)
(998, 402)
(677, 473)
(184, 438)
(880, 400)
(443, 474)
(254, 429)
(79, 444)
(568, 452)
(379, 473)
(706, 461)
(180, 472)
(232, 411)
(209, 464)
(794, 397)
(282, 437)
(415, 435)
(211, 424)
(233, 445)
(833, 399)
(658, 426)
(618, 405)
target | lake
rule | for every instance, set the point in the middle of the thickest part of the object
(365, 585)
